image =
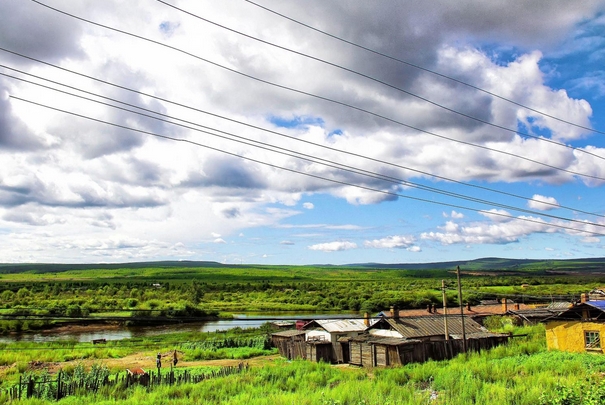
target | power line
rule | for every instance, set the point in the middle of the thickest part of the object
(309, 174)
(297, 155)
(278, 133)
(425, 69)
(379, 81)
(315, 95)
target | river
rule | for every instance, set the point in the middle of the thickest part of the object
(87, 334)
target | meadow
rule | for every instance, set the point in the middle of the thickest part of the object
(521, 372)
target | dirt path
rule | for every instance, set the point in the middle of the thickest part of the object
(147, 362)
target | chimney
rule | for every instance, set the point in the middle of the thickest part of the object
(394, 312)
(366, 319)
(516, 306)
(504, 305)
(583, 298)
(428, 308)
(468, 306)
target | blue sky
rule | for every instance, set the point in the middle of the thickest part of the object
(268, 130)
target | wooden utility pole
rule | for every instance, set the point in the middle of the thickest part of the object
(461, 309)
(447, 334)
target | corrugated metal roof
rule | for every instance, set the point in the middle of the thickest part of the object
(559, 305)
(421, 326)
(342, 325)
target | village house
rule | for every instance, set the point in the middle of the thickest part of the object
(577, 329)
(384, 341)
(323, 338)
(400, 340)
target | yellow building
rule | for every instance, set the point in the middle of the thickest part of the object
(579, 329)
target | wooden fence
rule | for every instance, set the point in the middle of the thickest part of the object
(62, 387)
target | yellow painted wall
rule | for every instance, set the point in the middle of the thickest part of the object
(569, 335)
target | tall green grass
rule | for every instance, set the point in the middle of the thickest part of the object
(521, 372)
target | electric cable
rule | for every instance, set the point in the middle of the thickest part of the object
(494, 213)
(302, 156)
(281, 134)
(314, 95)
(407, 63)
(332, 64)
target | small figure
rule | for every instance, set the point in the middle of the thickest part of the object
(158, 360)
(175, 359)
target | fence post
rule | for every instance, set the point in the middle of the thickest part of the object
(30, 387)
(19, 389)
(59, 386)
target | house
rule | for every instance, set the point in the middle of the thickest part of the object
(324, 338)
(577, 329)
(476, 312)
(402, 340)
(319, 340)
(533, 316)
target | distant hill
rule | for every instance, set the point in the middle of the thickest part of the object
(484, 264)
(495, 263)
(57, 268)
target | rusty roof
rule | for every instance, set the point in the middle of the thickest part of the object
(475, 310)
(136, 371)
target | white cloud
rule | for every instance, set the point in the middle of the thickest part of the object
(540, 202)
(391, 242)
(81, 180)
(333, 246)
(492, 233)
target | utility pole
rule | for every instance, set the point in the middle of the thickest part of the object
(461, 309)
(447, 334)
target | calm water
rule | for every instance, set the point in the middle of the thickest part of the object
(240, 320)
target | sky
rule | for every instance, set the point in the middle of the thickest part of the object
(283, 132)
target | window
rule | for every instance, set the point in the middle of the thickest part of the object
(592, 339)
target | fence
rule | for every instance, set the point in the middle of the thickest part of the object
(63, 386)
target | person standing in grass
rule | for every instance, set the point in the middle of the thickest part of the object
(174, 358)
(158, 361)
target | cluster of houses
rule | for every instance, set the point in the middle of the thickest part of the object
(399, 337)
(386, 340)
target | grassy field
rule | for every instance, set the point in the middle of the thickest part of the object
(521, 372)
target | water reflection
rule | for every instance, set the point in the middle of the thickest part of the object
(248, 320)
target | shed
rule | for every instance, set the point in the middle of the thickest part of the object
(374, 351)
(290, 343)
(331, 331)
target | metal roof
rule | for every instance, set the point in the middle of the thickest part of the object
(339, 325)
(422, 326)
(559, 305)
(600, 304)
